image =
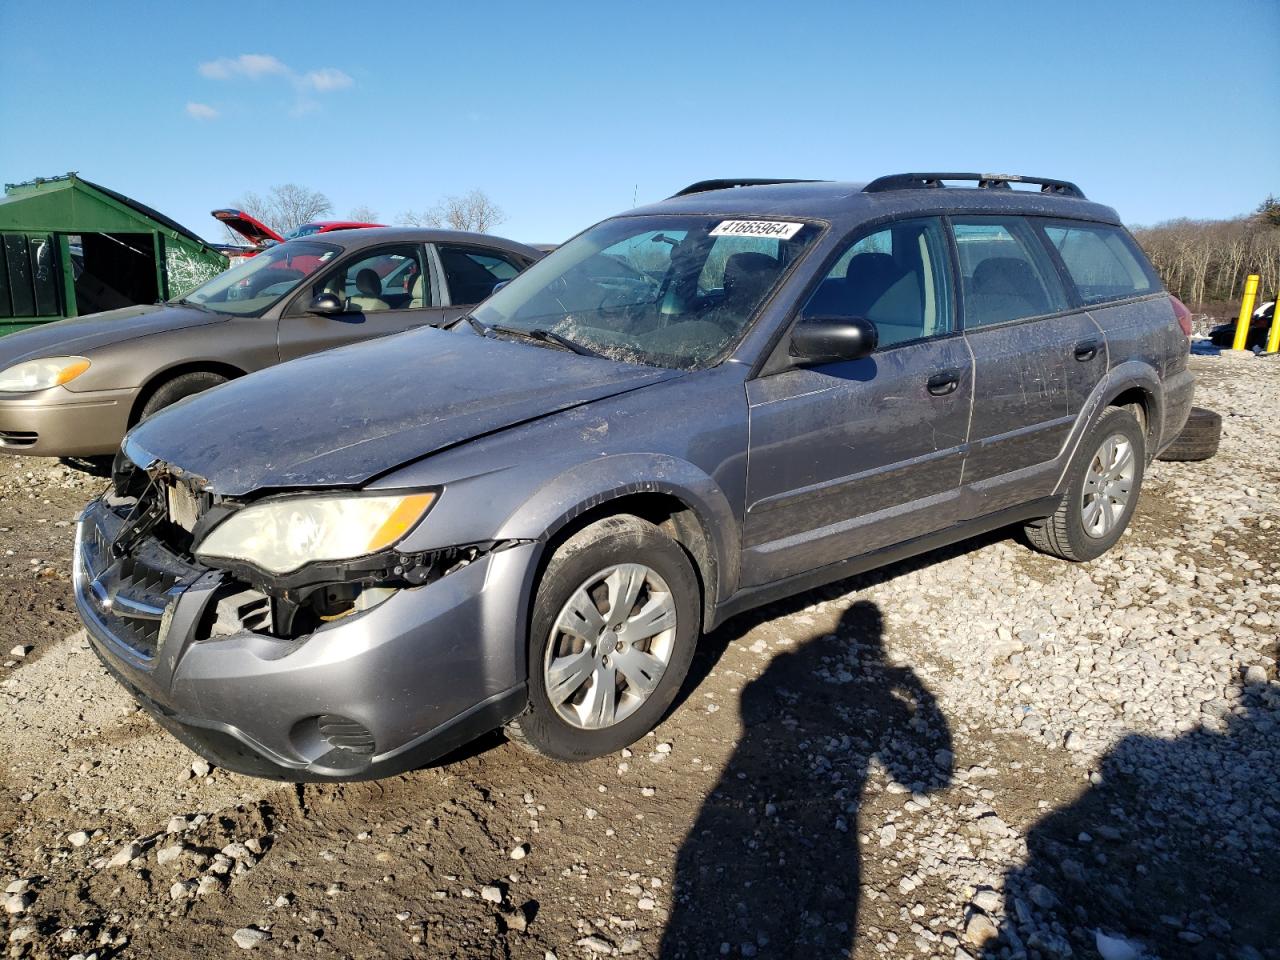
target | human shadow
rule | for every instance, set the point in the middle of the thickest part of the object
(1175, 852)
(771, 867)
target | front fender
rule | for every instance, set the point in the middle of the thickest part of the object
(589, 485)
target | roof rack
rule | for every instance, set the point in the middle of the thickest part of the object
(702, 186)
(988, 181)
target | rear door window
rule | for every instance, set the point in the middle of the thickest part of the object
(1005, 271)
(1101, 260)
(472, 272)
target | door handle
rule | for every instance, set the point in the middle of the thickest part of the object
(1086, 350)
(940, 384)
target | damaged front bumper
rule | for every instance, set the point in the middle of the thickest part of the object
(371, 694)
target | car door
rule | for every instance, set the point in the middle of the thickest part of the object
(849, 457)
(471, 271)
(1036, 359)
(385, 289)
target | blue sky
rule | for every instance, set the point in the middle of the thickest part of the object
(565, 112)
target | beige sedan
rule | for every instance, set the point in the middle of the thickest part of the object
(74, 387)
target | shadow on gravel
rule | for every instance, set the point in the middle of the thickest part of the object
(772, 865)
(1175, 853)
(713, 646)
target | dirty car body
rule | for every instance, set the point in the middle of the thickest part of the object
(74, 387)
(683, 403)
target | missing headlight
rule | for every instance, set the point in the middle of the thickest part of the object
(297, 605)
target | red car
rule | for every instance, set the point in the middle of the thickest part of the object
(262, 236)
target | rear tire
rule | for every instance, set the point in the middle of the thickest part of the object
(1198, 440)
(1103, 483)
(614, 684)
(179, 388)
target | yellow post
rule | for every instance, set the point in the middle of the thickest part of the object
(1246, 312)
(1273, 338)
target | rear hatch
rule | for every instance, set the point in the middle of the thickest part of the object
(252, 229)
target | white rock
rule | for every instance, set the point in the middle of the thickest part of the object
(519, 852)
(1115, 948)
(167, 855)
(78, 839)
(125, 855)
(492, 894)
(247, 938)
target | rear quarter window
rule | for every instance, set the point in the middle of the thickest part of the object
(1102, 260)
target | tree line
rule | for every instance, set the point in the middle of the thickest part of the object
(1202, 261)
(287, 206)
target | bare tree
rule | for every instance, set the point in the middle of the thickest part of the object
(1205, 261)
(363, 214)
(286, 206)
(472, 211)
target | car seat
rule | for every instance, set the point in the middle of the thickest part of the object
(370, 287)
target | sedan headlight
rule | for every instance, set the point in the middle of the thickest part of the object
(41, 374)
(283, 535)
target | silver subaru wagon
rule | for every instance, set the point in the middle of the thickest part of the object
(350, 564)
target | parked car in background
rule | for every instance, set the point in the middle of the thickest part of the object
(261, 236)
(349, 565)
(1224, 334)
(73, 388)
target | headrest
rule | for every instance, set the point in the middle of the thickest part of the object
(1007, 276)
(749, 268)
(876, 270)
(367, 282)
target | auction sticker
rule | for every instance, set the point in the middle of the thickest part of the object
(774, 229)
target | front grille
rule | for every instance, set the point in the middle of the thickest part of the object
(131, 594)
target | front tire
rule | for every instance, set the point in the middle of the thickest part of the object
(614, 626)
(1103, 484)
(179, 388)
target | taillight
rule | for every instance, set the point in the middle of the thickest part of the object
(1183, 314)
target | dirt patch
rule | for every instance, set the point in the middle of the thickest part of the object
(877, 768)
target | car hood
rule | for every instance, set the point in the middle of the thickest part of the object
(344, 417)
(80, 335)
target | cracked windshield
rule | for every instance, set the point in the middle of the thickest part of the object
(665, 291)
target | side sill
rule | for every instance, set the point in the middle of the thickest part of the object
(751, 597)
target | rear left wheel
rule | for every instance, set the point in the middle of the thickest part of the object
(614, 626)
(1104, 480)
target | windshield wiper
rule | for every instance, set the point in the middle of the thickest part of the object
(183, 301)
(550, 337)
(478, 326)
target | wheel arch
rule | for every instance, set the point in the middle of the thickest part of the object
(672, 494)
(172, 372)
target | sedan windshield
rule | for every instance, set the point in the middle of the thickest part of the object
(673, 291)
(256, 284)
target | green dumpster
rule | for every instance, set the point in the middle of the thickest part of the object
(70, 247)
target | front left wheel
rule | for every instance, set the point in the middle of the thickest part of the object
(615, 622)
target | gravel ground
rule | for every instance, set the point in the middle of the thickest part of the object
(980, 753)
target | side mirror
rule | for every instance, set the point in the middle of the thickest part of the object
(498, 286)
(327, 305)
(833, 339)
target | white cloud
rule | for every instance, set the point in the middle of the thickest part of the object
(201, 111)
(251, 65)
(326, 79)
